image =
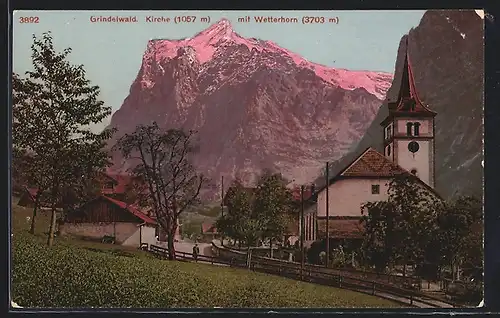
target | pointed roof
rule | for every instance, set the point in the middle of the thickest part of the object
(372, 163)
(408, 100)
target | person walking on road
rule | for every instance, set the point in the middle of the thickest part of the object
(196, 251)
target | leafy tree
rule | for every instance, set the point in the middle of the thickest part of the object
(273, 206)
(29, 172)
(399, 230)
(53, 107)
(458, 239)
(240, 222)
(166, 179)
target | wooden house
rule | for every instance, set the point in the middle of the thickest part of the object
(109, 217)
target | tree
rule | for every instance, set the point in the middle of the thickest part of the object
(166, 179)
(400, 229)
(458, 239)
(273, 206)
(26, 169)
(240, 223)
(53, 107)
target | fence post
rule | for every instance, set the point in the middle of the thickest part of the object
(411, 299)
(373, 288)
(340, 281)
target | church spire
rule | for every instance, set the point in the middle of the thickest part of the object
(408, 99)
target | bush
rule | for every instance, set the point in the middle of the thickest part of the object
(67, 276)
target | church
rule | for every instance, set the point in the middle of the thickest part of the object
(408, 143)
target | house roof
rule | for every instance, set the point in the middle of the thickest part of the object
(122, 181)
(208, 228)
(32, 192)
(372, 163)
(369, 164)
(131, 208)
(296, 195)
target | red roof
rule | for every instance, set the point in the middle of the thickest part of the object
(32, 192)
(372, 163)
(297, 196)
(122, 181)
(208, 228)
(408, 99)
(132, 209)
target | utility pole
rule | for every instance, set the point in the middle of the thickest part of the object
(302, 256)
(222, 208)
(327, 215)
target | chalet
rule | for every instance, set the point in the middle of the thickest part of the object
(115, 185)
(105, 216)
(408, 148)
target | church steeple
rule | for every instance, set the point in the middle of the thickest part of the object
(409, 129)
(408, 100)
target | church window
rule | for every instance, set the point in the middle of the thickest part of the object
(375, 189)
(416, 129)
(389, 150)
(408, 128)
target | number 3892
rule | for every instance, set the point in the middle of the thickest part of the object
(29, 20)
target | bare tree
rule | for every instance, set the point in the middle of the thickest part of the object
(164, 176)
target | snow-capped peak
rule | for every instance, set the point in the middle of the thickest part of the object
(207, 42)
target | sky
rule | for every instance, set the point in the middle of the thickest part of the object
(112, 52)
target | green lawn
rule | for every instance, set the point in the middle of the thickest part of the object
(74, 273)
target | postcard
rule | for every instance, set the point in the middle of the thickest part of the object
(261, 159)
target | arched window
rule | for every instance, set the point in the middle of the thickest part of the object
(414, 172)
(416, 130)
(388, 150)
(408, 129)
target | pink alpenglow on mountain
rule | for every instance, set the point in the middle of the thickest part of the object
(255, 105)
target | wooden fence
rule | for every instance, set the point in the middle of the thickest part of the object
(312, 274)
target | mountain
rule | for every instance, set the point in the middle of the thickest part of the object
(446, 51)
(254, 104)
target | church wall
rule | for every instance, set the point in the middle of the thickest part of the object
(420, 161)
(346, 196)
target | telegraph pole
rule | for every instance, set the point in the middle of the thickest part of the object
(222, 207)
(302, 256)
(327, 215)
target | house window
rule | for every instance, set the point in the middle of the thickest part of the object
(416, 129)
(408, 128)
(375, 189)
(414, 172)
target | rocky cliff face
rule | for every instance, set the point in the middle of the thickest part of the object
(255, 105)
(446, 52)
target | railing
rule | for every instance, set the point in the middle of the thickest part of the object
(313, 274)
(382, 278)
